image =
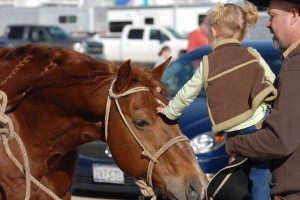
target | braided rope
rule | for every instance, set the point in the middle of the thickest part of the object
(16, 69)
(145, 186)
(7, 134)
(146, 190)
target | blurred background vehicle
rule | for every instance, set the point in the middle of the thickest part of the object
(5, 43)
(20, 34)
(97, 173)
(142, 44)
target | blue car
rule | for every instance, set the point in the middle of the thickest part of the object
(97, 174)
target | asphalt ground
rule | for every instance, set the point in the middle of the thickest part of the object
(91, 198)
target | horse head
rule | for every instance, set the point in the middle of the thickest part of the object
(146, 145)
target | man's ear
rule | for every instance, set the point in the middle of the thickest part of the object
(294, 16)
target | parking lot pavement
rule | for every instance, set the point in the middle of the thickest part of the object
(84, 198)
(89, 198)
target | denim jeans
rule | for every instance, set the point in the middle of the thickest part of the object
(259, 174)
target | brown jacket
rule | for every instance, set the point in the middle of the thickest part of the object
(236, 84)
(279, 141)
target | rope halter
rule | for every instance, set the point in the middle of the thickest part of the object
(146, 187)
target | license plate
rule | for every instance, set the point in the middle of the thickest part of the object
(107, 174)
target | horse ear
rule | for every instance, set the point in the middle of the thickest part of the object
(159, 70)
(123, 77)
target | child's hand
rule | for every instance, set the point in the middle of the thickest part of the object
(160, 109)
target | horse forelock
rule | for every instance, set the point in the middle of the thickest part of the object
(144, 76)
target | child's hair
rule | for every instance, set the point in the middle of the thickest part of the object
(231, 20)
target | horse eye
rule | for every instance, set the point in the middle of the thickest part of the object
(141, 123)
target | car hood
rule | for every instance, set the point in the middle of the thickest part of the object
(197, 110)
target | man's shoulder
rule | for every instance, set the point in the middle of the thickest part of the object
(294, 55)
(292, 61)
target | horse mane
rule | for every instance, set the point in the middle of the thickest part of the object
(60, 67)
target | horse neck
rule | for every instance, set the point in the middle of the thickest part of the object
(59, 121)
(12, 75)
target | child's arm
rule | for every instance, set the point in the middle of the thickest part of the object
(269, 75)
(185, 96)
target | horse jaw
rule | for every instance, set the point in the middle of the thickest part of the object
(192, 190)
(181, 181)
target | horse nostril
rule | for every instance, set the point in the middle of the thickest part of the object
(192, 192)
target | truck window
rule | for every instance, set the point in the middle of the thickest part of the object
(37, 34)
(117, 27)
(136, 34)
(57, 33)
(158, 35)
(175, 33)
(15, 32)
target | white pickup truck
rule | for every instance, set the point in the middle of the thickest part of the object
(142, 44)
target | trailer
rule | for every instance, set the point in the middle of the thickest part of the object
(182, 17)
(72, 19)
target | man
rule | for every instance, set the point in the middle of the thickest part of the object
(279, 139)
(198, 37)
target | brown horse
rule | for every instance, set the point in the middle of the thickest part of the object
(57, 100)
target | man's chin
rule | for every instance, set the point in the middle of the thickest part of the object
(276, 44)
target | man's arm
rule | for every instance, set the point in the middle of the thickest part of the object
(281, 134)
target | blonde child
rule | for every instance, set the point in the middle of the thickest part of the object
(237, 81)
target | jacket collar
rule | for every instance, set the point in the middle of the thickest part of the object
(290, 49)
(225, 41)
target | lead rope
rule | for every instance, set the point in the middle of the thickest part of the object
(7, 134)
(145, 186)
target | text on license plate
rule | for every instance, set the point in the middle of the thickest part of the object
(107, 174)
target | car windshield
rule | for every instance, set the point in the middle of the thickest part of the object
(181, 70)
(58, 33)
(175, 33)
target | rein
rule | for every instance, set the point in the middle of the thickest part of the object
(7, 133)
(145, 186)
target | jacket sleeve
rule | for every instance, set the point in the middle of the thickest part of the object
(281, 134)
(186, 95)
(269, 74)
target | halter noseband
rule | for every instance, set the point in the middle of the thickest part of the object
(153, 158)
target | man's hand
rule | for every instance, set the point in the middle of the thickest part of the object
(229, 146)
